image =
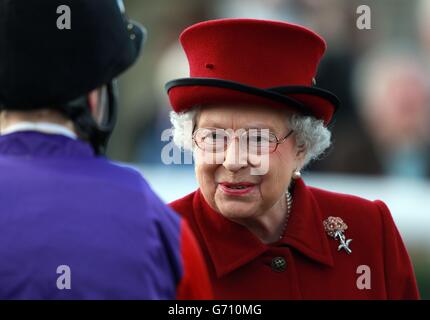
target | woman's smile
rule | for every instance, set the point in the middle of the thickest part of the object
(238, 189)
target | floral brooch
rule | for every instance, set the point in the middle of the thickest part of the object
(335, 228)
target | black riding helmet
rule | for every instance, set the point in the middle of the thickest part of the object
(43, 66)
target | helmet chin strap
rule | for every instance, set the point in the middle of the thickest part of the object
(95, 131)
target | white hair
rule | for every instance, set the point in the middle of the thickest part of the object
(310, 133)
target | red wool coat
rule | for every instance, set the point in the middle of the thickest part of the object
(306, 263)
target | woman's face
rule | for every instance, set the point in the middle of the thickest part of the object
(231, 186)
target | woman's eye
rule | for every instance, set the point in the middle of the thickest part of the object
(214, 137)
(259, 139)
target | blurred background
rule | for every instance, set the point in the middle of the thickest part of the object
(381, 134)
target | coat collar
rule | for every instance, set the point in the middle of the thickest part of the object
(231, 245)
(44, 127)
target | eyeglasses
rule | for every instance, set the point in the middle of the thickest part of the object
(258, 141)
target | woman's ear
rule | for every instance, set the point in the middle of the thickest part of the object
(2, 119)
(300, 155)
(93, 101)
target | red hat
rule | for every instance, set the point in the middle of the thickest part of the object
(252, 61)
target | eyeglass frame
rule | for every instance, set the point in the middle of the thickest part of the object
(278, 141)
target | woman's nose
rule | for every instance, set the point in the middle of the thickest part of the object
(236, 155)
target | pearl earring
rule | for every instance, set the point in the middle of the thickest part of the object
(297, 174)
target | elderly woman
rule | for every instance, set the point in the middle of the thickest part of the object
(253, 118)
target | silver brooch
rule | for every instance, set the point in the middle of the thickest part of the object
(335, 228)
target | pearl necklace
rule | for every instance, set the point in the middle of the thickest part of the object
(289, 199)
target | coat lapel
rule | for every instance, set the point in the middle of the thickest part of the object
(231, 245)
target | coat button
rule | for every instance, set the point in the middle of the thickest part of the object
(278, 264)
